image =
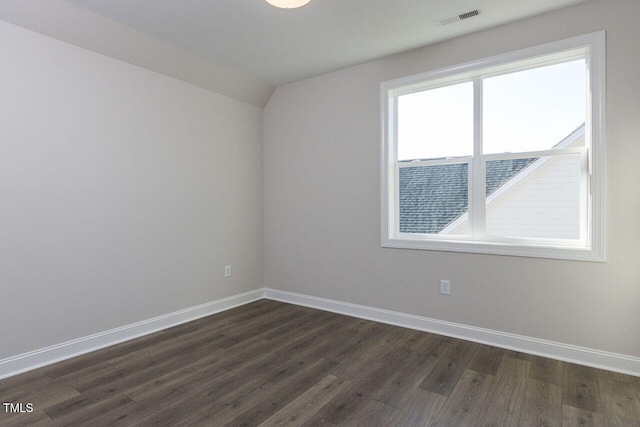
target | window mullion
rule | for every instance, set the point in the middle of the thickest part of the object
(477, 171)
(396, 170)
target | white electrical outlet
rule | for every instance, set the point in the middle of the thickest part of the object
(227, 271)
(445, 287)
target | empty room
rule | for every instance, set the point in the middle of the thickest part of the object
(319, 213)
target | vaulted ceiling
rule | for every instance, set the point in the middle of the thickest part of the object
(283, 45)
(263, 45)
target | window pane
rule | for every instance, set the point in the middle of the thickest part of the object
(436, 123)
(535, 109)
(534, 197)
(433, 197)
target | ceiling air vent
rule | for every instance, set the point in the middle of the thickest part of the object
(465, 15)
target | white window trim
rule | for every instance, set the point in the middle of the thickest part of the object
(594, 247)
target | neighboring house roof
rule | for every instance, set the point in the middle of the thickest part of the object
(433, 197)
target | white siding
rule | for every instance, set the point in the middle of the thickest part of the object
(544, 204)
(542, 201)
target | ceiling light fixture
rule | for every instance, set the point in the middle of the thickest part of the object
(288, 4)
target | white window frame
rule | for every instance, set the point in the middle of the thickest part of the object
(592, 246)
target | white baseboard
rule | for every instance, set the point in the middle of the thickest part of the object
(570, 353)
(554, 350)
(55, 353)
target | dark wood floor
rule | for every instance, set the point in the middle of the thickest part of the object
(270, 363)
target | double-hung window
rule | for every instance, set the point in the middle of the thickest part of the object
(503, 155)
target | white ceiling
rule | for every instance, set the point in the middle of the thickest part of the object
(279, 46)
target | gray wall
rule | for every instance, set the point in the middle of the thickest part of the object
(322, 200)
(123, 193)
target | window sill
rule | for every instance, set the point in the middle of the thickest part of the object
(505, 249)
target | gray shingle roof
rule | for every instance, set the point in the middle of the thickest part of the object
(431, 197)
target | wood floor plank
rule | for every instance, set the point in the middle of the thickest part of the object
(373, 414)
(542, 405)
(427, 343)
(348, 402)
(358, 343)
(621, 377)
(282, 394)
(71, 366)
(366, 337)
(390, 340)
(578, 417)
(42, 392)
(195, 400)
(419, 341)
(317, 422)
(505, 399)
(333, 330)
(326, 347)
(517, 355)
(235, 356)
(420, 410)
(466, 401)
(356, 367)
(183, 378)
(224, 336)
(22, 381)
(35, 418)
(407, 377)
(298, 326)
(621, 405)
(125, 378)
(546, 370)
(112, 352)
(167, 348)
(207, 398)
(580, 387)
(73, 411)
(384, 347)
(80, 376)
(154, 366)
(487, 359)
(290, 367)
(305, 406)
(62, 368)
(444, 376)
(221, 412)
(256, 310)
(243, 332)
